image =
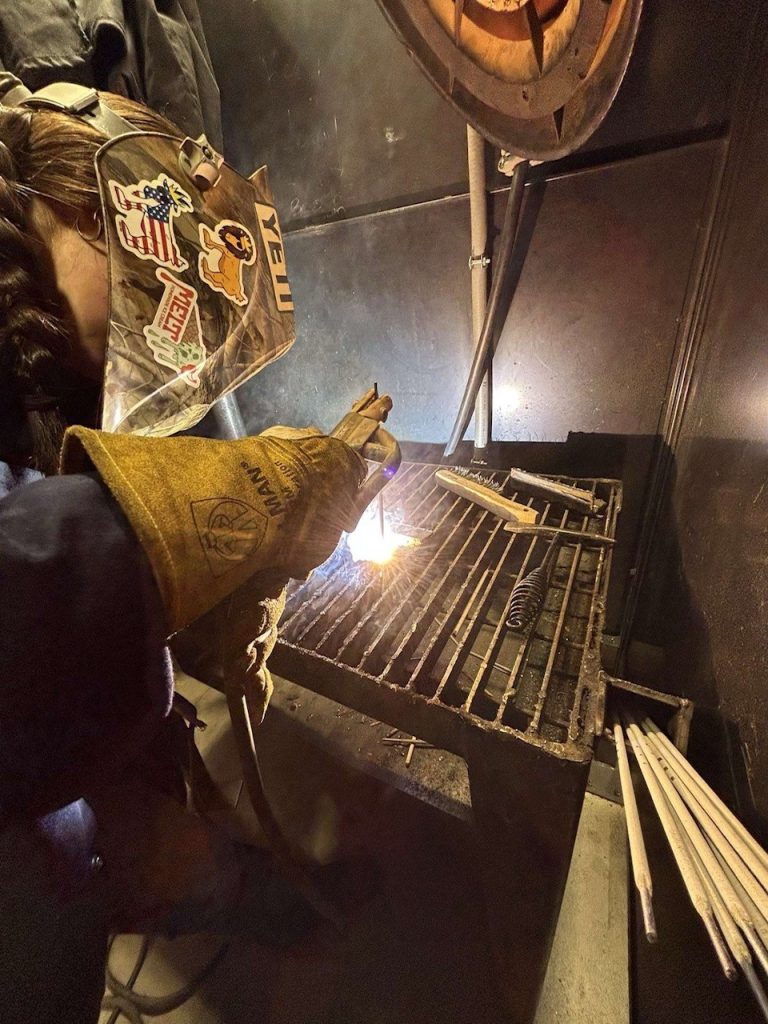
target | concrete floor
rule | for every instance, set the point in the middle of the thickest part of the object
(416, 953)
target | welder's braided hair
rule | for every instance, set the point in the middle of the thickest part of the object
(48, 154)
(31, 332)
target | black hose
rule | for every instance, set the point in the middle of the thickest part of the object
(494, 310)
(126, 1001)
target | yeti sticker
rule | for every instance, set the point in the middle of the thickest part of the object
(144, 220)
(174, 335)
(226, 250)
(273, 244)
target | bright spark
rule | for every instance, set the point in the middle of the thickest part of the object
(367, 544)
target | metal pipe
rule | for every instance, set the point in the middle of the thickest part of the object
(228, 418)
(740, 839)
(687, 868)
(493, 310)
(641, 870)
(478, 265)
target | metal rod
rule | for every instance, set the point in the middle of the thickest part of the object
(670, 783)
(478, 263)
(493, 310)
(596, 539)
(687, 868)
(597, 613)
(747, 846)
(716, 837)
(758, 921)
(555, 644)
(736, 944)
(641, 870)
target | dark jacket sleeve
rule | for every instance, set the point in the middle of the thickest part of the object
(84, 671)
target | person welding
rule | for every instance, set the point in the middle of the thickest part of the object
(141, 279)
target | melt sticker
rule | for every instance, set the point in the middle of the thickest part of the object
(166, 334)
(145, 221)
(225, 251)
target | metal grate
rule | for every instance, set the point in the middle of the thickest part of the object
(422, 642)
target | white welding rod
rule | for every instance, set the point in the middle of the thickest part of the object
(746, 845)
(669, 781)
(693, 883)
(641, 871)
(737, 907)
(757, 918)
(472, 489)
(736, 944)
(717, 838)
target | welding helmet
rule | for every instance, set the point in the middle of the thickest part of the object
(199, 296)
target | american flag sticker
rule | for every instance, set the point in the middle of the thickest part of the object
(144, 220)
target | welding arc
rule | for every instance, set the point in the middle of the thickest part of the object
(695, 887)
(494, 311)
(528, 593)
(641, 871)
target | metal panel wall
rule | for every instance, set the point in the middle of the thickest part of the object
(591, 330)
(710, 609)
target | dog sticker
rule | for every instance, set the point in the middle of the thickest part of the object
(225, 251)
(145, 219)
(174, 334)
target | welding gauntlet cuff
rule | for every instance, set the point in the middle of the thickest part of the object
(209, 514)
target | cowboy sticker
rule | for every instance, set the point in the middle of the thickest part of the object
(174, 335)
(144, 220)
(225, 251)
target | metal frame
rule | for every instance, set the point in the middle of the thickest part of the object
(396, 644)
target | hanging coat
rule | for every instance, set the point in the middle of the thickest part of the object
(153, 51)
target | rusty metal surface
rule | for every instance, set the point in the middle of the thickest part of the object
(422, 643)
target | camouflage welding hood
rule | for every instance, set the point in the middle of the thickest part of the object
(199, 295)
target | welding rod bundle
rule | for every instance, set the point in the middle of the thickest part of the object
(724, 869)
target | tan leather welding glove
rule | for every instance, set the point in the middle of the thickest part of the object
(209, 514)
(228, 646)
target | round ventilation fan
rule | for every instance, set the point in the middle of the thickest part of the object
(535, 77)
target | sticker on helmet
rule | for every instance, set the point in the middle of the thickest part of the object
(225, 251)
(145, 219)
(174, 334)
(273, 243)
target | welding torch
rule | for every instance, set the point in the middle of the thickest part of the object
(362, 430)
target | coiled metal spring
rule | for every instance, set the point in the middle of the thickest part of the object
(528, 593)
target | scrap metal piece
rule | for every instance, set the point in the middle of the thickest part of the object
(577, 498)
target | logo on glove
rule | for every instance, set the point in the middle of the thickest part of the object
(229, 530)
